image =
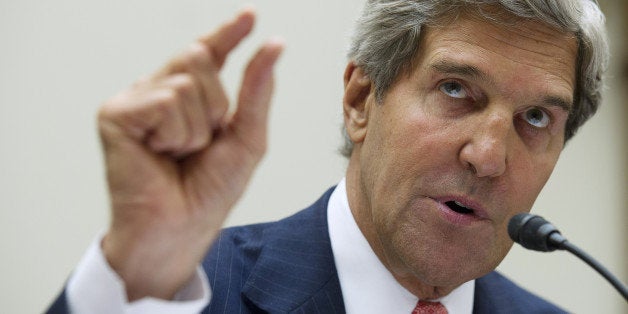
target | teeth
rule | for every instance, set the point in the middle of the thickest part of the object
(460, 204)
(459, 207)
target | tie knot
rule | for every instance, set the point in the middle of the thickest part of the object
(425, 307)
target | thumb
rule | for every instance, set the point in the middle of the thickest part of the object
(250, 118)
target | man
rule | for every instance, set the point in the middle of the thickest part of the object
(455, 115)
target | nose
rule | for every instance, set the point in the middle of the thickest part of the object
(487, 149)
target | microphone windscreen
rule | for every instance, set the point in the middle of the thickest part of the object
(515, 224)
(531, 231)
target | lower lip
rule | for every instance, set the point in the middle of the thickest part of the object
(455, 217)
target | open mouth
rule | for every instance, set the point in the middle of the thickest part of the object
(459, 208)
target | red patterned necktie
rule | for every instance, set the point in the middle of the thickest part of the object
(424, 307)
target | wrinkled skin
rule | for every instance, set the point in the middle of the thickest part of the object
(479, 120)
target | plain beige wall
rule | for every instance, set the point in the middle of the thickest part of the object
(60, 59)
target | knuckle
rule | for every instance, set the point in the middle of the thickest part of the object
(113, 106)
(198, 56)
(198, 141)
(184, 86)
(167, 100)
(103, 117)
(104, 112)
(112, 114)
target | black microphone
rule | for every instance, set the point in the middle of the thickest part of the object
(535, 233)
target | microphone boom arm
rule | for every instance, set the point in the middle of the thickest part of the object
(568, 246)
(535, 233)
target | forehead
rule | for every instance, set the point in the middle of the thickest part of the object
(504, 47)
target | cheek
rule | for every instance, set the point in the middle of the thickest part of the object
(410, 150)
(411, 125)
(530, 178)
(414, 136)
(406, 144)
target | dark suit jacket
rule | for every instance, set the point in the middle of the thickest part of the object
(288, 267)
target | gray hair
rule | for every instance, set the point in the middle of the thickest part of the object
(386, 40)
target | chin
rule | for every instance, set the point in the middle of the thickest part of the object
(449, 266)
(450, 275)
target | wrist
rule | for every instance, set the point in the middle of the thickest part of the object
(156, 268)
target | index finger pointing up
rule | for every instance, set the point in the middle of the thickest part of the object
(227, 37)
(217, 45)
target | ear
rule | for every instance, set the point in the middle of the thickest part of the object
(356, 102)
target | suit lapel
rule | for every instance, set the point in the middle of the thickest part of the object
(295, 271)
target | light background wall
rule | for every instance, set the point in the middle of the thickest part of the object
(60, 59)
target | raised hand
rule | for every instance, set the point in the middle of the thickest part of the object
(177, 160)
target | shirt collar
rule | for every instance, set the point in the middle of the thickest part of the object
(367, 286)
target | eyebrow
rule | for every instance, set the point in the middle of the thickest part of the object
(558, 102)
(448, 67)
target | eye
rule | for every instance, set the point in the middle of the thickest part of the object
(453, 89)
(537, 117)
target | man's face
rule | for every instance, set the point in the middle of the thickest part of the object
(459, 145)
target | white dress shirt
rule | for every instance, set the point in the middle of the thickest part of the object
(367, 286)
(96, 288)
